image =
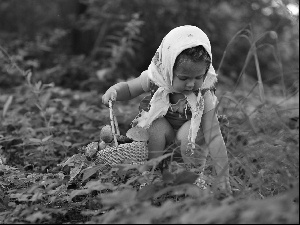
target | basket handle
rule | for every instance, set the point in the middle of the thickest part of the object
(113, 122)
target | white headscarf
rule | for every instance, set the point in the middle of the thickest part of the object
(160, 71)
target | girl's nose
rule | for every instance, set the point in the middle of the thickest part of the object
(190, 83)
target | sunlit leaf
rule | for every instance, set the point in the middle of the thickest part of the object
(44, 99)
(38, 85)
(168, 177)
(36, 196)
(67, 143)
(125, 197)
(88, 172)
(185, 177)
(97, 185)
(147, 192)
(28, 75)
(74, 159)
(75, 193)
(34, 217)
(47, 138)
(193, 191)
(35, 140)
(75, 171)
(7, 105)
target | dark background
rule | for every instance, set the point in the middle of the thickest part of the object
(89, 45)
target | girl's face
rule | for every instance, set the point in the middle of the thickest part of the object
(188, 76)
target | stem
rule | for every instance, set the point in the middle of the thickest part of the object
(281, 70)
(260, 83)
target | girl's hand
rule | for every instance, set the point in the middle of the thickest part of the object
(110, 94)
(224, 184)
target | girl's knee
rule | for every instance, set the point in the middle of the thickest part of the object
(183, 132)
(161, 134)
(161, 128)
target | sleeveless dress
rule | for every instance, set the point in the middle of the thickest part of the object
(178, 113)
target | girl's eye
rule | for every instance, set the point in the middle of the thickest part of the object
(182, 78)
(186, 78)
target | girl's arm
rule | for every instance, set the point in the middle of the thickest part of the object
(124, 91)
(214, 139)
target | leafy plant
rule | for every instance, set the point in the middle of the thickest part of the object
(46, 178)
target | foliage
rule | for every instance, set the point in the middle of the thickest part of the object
(46, 178)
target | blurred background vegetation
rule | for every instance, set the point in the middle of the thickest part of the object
(90, 44)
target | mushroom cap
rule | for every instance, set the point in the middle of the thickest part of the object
(138, 134)
(106, 134)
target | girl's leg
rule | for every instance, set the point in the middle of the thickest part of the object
(161, 134)
(198, 159)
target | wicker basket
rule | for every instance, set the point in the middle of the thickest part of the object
(135, 152)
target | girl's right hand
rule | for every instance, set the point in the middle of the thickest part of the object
(224, 184)
(110, 94)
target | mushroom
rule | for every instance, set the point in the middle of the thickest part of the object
(106, 134)
(138, 134)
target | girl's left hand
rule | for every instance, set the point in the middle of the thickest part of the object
(224, 184)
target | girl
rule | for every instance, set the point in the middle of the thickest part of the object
(182, 105)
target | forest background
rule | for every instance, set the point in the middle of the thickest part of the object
(58, 57)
